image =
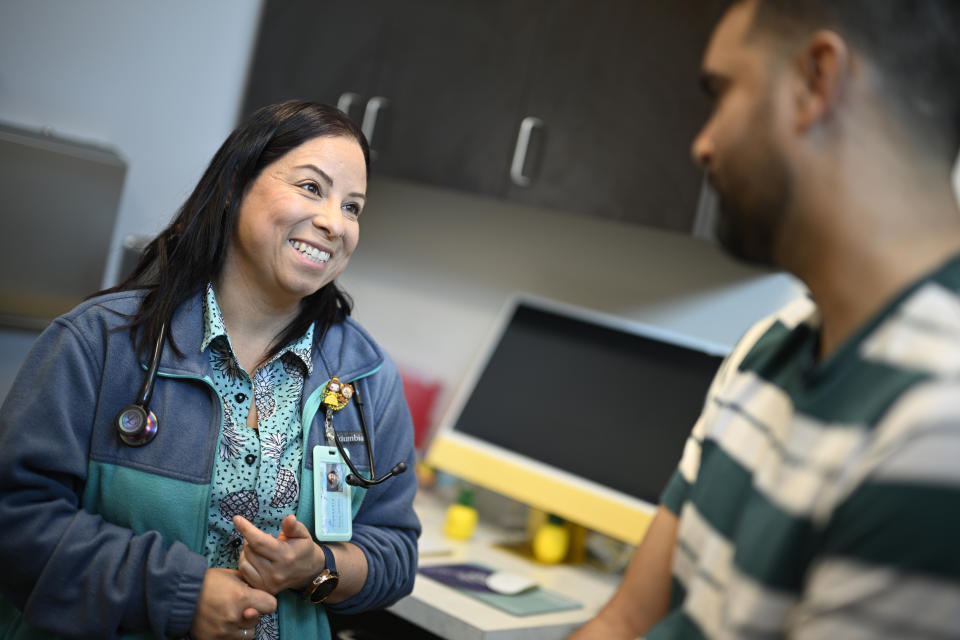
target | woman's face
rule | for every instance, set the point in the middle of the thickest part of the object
(297, 225)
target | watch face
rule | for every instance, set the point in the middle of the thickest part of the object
(325, 587)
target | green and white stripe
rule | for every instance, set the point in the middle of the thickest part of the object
(822, 499)
(850, 599)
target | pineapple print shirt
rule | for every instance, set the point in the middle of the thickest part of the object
(255, 473)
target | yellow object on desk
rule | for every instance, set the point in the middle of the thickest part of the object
(552, 541)
(461, 520)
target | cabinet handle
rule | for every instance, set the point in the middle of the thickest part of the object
(527, 125)
(346, 102)
(369, 124)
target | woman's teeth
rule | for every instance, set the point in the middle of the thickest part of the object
(312, 253)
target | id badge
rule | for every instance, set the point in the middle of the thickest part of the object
(331, 495)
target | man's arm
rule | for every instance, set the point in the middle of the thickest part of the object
(643, 596)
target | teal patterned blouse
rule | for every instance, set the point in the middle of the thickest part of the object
(255, 471)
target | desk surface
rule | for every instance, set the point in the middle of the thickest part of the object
(450, 614)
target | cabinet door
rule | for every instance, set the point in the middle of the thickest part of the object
(615, 85)
(454, 75)
(319, 51)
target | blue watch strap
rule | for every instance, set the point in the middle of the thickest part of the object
(329, 562)
(325, 582)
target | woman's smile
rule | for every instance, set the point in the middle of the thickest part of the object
(310, 252)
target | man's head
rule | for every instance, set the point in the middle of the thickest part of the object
(792, 76)
(912, 45)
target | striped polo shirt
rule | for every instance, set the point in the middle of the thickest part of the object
(821, 499)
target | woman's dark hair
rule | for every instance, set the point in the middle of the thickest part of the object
(190, 252)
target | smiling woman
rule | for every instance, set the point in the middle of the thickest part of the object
(235, 311)
(298, 224)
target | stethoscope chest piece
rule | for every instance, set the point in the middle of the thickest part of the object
(136, 426)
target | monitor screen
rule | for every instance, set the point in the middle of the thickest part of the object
(602, 404)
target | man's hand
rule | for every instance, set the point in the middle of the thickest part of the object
(228, 605)
(288, 561)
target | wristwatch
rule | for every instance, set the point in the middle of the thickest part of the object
(320, 588)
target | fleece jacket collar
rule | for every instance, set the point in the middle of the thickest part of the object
(348, 359)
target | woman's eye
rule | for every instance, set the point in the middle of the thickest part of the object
(352, 209)
(312, 187)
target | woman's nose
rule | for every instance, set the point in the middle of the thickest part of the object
(329, 219)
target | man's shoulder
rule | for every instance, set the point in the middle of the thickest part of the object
(921, 333)
(800, 314)
(794, 322)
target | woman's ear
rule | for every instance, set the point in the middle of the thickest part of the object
(823, 72)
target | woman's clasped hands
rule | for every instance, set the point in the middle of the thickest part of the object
(288, 561)
(232, 601)
(229, 607)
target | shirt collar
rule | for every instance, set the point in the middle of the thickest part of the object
(214, 327)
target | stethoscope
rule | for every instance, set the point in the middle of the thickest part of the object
(354, 476)
(137, 425)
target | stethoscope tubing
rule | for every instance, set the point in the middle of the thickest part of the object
(354, 478)
(146, 391)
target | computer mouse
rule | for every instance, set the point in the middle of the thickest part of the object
(509, 583)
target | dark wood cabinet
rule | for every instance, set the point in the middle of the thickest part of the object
(455, 74)
(326, 51)
(614, 85)
(601, 94)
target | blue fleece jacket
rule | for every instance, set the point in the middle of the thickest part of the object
(99, 539)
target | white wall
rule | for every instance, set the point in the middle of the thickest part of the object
(158, 81)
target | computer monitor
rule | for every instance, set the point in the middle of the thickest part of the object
(577, 413)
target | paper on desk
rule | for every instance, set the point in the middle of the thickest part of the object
(470, 579)
(433, 545)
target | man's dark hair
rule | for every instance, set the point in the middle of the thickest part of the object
(915, 44)
(191, 252)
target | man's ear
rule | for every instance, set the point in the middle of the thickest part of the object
(823, 68)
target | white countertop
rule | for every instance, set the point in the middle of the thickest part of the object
(451, 614)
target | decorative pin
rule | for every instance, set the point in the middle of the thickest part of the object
(337, 394)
